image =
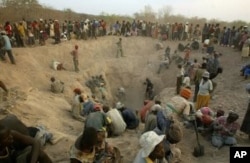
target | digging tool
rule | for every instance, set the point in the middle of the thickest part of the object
(199, 149)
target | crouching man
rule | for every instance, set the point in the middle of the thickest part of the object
(57, 86)
(225, 128)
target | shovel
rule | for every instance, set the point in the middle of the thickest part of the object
(199, 149)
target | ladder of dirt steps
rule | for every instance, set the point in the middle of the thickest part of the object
(9, 99)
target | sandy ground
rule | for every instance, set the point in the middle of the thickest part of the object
(32, 74)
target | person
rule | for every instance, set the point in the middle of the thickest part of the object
(119, 48)
(204, 117)
(16, 147)
(121, 94)
(213, 64)
(83, 150)
(40, 132)
(57, 65)
(118, 125)
(104, 151)
(205, 89)
(77, 105)
(97, 119)
(225, 128)
(159, 45)
(214, 68)
(164, 63)
(2, 85)
(245, 126)
(75, 55)
(245, 71)
(210, 46)
(151, 118)
(147, 104)
(88, 105)
(197, 79)
(179, 78)
(57, 35)
(167, 53)
(173, 135)
(194, 67)
(149, 89)
(187, 54)
(128, 116)
(31, 36)
(151, 148)
(186, 81)
(178, 107)
(6, 48)
(56, 86)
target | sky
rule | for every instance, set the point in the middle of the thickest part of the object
(225, 10)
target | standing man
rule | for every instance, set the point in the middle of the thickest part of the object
(179, 78)
(6, 48)
(57, 32)
(74, 53)
(149, 94)
(119, 48)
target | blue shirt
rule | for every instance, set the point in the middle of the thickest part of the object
(130, 118)
(7, 43)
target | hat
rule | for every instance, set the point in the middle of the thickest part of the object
(52, 78)
(97, 107)
(77, 91)
(186, 93)
(206, 119)
(220, 113)
(175, 133)
(206, 74)
(205, 110)
(3, 32)
(155, 107)
(119, 105)
(148, 141)
(145, 102)
(233, 115)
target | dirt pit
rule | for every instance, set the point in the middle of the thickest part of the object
(97, 57)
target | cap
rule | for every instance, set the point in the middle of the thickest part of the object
(206, 74)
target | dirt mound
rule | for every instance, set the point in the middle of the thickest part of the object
(97, 57)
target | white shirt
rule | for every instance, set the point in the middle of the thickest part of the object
(186, 81)
(181, 72)
(204, 88)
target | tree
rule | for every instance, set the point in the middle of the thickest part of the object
(146, 14)
(11, 3)
(149, 13)
(164, 12)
